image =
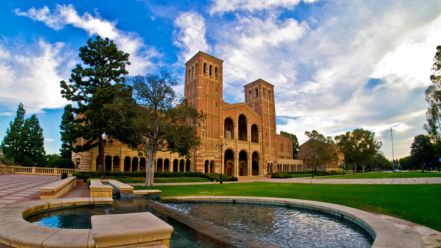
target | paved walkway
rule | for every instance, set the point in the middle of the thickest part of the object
(20, 188)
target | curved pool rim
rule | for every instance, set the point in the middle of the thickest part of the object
(386, 231)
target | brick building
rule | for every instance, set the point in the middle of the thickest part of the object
(240, 136)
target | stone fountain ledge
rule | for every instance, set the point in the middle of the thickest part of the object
(107, 231)
(386, 231)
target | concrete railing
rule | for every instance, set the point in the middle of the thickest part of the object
(50, 171)
(58, 188)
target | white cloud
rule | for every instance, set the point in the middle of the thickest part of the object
(321, 66)
(32, 75)
(141, 55)
(190, 35)
(222, 6)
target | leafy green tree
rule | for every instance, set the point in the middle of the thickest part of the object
(358, 146)
(67, 137)
(379, 162)
(295, 143)
(433, 98)
(422, 151)
(156, 123)
(12, 143)
(406, 163)
(92, 86)
(321, 150)
(33, 134)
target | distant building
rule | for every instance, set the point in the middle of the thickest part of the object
(332, 166)
(239, 136)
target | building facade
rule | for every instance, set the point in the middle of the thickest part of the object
(237, 139)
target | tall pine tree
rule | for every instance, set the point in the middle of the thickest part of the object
(67, 136)
(12, 144)
(35, 142)
(92, 86)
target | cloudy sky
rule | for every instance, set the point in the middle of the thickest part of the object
(336, 65)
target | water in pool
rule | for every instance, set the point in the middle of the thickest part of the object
(282, 226)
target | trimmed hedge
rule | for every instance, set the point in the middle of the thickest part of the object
(93, 174)
(216, 177)
(306, 173)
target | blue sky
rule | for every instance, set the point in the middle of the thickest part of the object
(336, 65)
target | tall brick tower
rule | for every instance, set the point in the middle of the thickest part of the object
(203, 90)
(259, 95)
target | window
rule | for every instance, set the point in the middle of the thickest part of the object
(210, 71)
(256, 92)
(215, 72)
(205, 68)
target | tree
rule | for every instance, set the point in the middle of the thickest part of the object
(92, 86)
(12, 143)
(321, 149)
(157, 124)
(379, 162)
(433, 98)
(422, 151)
(67, 137)
(358, 146)
(295, 143)
(34, 153)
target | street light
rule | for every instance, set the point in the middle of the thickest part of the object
(220, 146)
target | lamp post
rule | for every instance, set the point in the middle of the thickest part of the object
(221, 146)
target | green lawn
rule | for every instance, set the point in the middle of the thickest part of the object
(417, 203)
(164, 179)
(367, 175)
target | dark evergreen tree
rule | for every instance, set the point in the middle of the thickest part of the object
(12, 144)
(67, 137)
(422, 152)
(93, 85)
(34, 142)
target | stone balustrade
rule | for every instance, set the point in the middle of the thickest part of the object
(58, 188)
(98, 189)
(6, 169)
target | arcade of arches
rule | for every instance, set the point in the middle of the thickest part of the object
(138, 164)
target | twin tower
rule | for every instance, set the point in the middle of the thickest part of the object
(237, 139)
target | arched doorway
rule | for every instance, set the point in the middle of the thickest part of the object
(175, 165)
(159, 165)
(255, 164)
(229, 162)
(116, 164)
(206, 167)
(243, 163)
(187, 165)
(126, 164)
(166, 165)
(181, 165)
(135, 164)
(242, 123)
(211, 166)
(254, 134)
(229, 128)
(142, 164)
(108, 163)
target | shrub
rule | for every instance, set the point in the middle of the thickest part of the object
(216, 177)
(281, 175)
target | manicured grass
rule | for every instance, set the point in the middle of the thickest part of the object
(417, 203)
(411, 174)
(164, 179)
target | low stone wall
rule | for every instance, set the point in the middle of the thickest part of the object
(58, 188)
(387, 231)
(123, 188)
(98, 189)
(48, 171)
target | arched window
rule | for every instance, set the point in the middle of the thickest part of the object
(254, 134)
(229, 128)
(243, 134)
(215, 72)
(210, 71)
(264, 93)
(256, 92)
(249, 94)
(205, 68)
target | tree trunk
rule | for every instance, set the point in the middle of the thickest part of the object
(100, 156)
(149, 170)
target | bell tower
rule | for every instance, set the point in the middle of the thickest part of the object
(259, 95)
(203, 91)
